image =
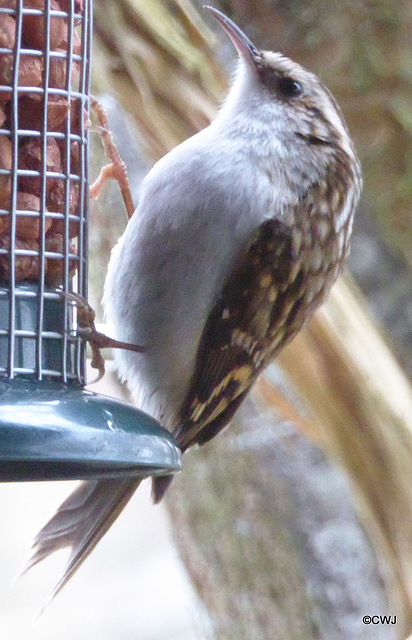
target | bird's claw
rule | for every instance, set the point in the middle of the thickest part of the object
(87, 331)
(116, 168)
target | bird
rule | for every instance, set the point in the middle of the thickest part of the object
(237, 238)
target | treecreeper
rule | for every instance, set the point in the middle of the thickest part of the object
(238, 236)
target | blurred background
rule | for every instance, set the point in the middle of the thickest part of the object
(296, 522)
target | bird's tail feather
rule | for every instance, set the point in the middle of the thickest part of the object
(160, 485)
(80, 522)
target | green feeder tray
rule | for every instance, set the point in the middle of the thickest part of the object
(51, 430)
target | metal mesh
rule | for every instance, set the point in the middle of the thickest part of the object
(44, 102)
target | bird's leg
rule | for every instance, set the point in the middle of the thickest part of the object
(87, 330)
(117, 168)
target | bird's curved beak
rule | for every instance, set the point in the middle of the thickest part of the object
(244, 46)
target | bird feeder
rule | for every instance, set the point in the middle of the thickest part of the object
(51, 427)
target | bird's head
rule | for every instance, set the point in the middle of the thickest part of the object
(279, 97)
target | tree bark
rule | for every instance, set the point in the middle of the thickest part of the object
(268, 533)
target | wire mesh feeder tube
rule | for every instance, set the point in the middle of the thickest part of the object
(50, 426)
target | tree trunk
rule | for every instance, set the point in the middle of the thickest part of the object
(267, 530)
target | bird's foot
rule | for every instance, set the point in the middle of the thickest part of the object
(116, 168)
(86, 329)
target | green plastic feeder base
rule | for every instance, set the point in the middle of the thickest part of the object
(52, 431)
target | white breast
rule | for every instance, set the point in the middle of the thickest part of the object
(196, 213)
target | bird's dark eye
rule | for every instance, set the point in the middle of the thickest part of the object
(288, 88)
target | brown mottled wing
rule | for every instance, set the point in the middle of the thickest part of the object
(247, 326)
